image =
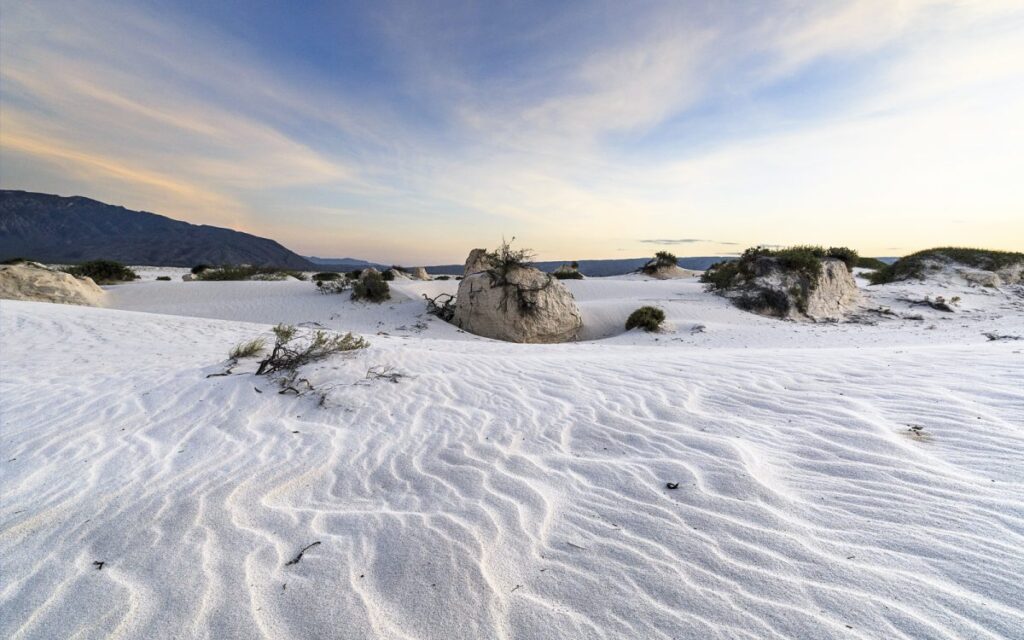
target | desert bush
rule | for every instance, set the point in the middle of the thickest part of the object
(103, 271)
(247, 272)
(442, 278)
(15, 261)
(354, 274)
(292, 350)
(333, 286)
(913, 265)
(372, 288)
(247, 349)
(505, 258)
(199, 268)
(388, 276)
(326, 276)
(646, 318)
(720, 275)
(870, 263)
(164, 278)
(847, 255)
(568, 275)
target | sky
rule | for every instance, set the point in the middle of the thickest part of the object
(414, 131)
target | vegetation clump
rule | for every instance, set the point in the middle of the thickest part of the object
(247, 272)
(915, 265)
(646, 318)
(388, 275)
(870, 263)
(661, 260)
(199, 268)
(164, 278)
(371, 287)
(326, 276)
(102, 271)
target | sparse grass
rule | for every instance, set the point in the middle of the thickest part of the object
(247, 272)
(913, 266)
(846, 254)
(247, 349)
(372, 288)
(102, 271)
(646, 318)
(870, 263)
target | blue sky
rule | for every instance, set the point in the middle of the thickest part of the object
(414, 131)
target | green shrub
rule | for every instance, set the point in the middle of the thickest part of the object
(443, 278)
(103, 271)
(913, 265)
(247, 349)
(326, 276)
(720, 275)
(164, 278)
(568, 275)
(354, 274)
(199, 268)
(847, 255)
(388, 275)
(646, 318)
(372, 288)
(247, 272)
(870, 263)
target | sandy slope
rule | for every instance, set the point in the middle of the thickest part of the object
(511, 491)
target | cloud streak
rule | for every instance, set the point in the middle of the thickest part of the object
(571, 129)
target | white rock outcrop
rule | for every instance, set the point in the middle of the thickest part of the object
(30, 281)
(476, 262)
(522, 304)
(787, 293)
(419, 273)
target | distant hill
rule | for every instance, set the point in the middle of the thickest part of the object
(52, 228)
(344, 264)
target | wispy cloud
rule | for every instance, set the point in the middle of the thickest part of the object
(570, 128)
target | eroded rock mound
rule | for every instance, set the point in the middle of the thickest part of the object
(665, 266)
(516, 303)
(419, 273)
(794, 284)
(477, 261)
(956, 266)
(30, 281)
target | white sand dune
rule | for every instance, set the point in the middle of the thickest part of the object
(512, 491)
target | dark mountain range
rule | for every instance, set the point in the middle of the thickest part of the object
(56, 229)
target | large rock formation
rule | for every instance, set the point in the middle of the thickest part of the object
(30, 281)
(765, 286)
(515, 304)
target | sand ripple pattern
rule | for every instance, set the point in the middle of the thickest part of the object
(505, 492)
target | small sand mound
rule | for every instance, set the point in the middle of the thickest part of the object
(31, 281)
